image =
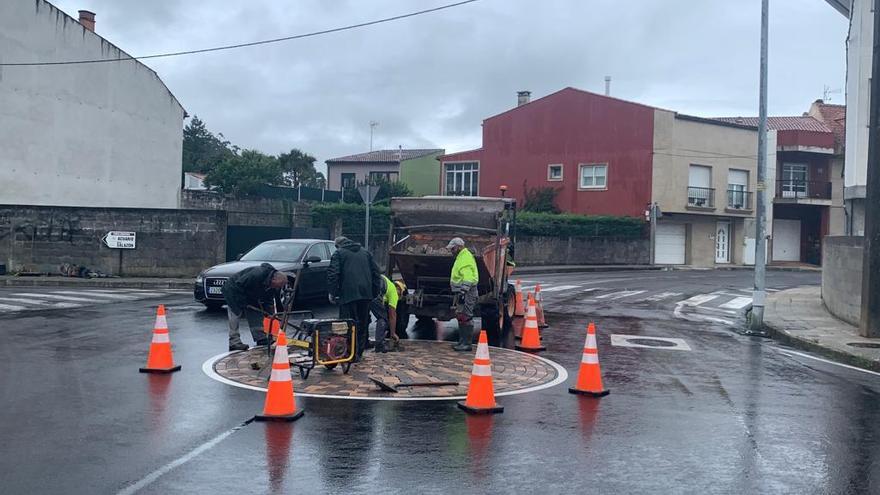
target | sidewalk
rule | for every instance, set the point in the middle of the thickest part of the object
(623, 268)
(104, 283)
(798, 317)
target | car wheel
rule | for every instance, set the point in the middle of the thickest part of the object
(213, 305)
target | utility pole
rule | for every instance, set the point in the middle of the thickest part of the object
(373, 124)
(870, 321)
(759, 294)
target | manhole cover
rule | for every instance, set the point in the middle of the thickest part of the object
(869, 345)
(653, 342)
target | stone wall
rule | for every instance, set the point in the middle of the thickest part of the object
(842, 277)
(263, 212)
(532, 251)
(170, 243)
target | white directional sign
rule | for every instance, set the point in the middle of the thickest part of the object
(120, 240)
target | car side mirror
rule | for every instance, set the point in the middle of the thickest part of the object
(312, 259)
(238, 257)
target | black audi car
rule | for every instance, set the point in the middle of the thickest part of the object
(287, 255)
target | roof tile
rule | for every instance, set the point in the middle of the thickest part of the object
(377, 156)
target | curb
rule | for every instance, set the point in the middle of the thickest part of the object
(583, 269)
(808, 345)
(95, 283)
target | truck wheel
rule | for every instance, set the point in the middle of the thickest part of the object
(491, 324)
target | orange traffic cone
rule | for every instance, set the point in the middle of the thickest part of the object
(539, 307)
(280, 404)
(518, 308)
(271, 326)
(589, 380)
(481, 392)
(160, 359)
(531, 336)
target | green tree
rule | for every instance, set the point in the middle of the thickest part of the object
(202, 150)
(242, 174)
(298, 169)
(541, 200)
(387, 190)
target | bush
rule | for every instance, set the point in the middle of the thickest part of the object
(352, 216)
(541, 200)
(565, 225)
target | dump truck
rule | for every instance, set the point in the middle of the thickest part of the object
(420, 231)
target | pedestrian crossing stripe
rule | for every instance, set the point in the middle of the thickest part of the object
(737, 303)
(620, 294)
(69, 299)
(560, 288)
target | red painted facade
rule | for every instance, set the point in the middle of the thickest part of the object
(569, 127)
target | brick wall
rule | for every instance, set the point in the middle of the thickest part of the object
(170, 243)
(531, 251)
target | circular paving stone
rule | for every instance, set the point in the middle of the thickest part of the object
(422, 361)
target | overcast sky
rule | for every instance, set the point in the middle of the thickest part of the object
(430, 80)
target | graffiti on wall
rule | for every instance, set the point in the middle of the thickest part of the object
(47, 227)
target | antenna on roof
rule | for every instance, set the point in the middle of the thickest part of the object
(373, 124)
(827, 92)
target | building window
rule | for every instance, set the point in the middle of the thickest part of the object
(738, 195)
(349, 180)
(462, 179)
(554, 172)
(383, 177)
(794, 182)
(594, 176)
(700, 191)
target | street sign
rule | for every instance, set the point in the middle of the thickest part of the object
(368, 192)
(120, 240)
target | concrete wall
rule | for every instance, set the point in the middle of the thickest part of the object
(170, 243)
(106, 134)
(842, 277)
(361, 171)
(265, 212)
(422, 175)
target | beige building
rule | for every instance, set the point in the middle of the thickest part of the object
(704, 178)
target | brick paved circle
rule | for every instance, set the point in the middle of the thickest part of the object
(512, 372)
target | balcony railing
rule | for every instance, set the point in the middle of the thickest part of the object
(803, 189)
(701, 197)
(739, 200)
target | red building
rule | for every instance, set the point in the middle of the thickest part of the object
(596, 150)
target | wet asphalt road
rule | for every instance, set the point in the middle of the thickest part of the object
(733, 415)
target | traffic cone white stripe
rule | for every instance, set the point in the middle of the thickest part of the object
(161, 322)
(591, 341)
(280, 375)
(590, 358)
(161, 338)
(482, 370)
(482, 351)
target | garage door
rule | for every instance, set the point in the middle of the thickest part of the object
(786, 240)
(669, 244)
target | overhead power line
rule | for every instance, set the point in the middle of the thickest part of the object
(244, 45)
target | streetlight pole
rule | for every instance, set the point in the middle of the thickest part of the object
(759, 294)
(869, 326)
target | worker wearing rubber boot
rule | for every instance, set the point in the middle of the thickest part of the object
(464, 281)
(257, 286)
(384, 309)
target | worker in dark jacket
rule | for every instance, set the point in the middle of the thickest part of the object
(353, 280)
(255, 286)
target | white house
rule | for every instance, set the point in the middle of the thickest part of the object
(859, 46)
(96, 134)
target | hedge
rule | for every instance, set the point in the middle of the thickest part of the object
(528, 223)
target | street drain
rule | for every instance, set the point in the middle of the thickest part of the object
(653, 342)
(869, 345)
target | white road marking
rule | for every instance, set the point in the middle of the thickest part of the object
(40, 303)
(11, 307)
(99, 294)
(842, 365)
(699, 299)
(620, 295)
(661, 296)
(620, 340)
(737, 303)
(560, 287)
(772, 290)
(53, 296)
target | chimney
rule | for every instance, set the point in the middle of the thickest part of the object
(607, 85)
(522, 97)
(87, 19)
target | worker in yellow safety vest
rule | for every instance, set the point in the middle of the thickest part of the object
(463, 281)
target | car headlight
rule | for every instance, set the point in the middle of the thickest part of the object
(200, 278)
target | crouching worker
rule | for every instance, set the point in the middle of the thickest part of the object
(384, 309)
(256, 286)
(463, 281)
